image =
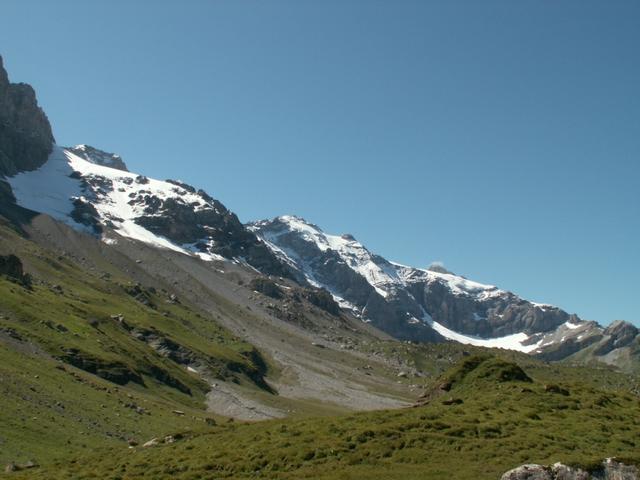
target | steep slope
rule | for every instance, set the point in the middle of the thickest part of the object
(25, 132)
(91, 357)
(91, 190)
(412, 303)
(90, 331)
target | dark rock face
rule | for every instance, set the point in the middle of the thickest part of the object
(487, 312)
(99, 157)
(210, 228)
(86, 214)
(25, 133)
(321, 299)
(617, 335)
(114, 371)
(591, 333)
(6, 194)
(266, 287)
(11, 266)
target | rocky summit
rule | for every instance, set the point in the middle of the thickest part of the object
(99, 157)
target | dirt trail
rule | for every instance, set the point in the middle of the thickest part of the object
(224, 400)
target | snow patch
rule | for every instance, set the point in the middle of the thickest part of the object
(52, 188)
(509, 342)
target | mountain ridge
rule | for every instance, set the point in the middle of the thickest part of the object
(93, 191)
(455, 307)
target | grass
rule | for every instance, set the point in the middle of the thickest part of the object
(51, 407)
(500, 422)
(499, 411)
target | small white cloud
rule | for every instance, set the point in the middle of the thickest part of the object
(438, 266)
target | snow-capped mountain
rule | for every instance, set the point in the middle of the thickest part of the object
(92, 190)
(418, 304)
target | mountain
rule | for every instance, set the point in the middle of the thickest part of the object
(144, 331)
(92, 190)
(430, 304)
(491, 416)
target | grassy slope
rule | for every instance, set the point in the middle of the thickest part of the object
(76, 424)
(50, 407)
(498, 424)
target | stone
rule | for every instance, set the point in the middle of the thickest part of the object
(11, 266)
(151, 443)
(610, 469)
(528, 472)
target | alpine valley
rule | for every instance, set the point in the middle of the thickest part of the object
(146, 332)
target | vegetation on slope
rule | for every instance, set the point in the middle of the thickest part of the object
(492, 416)
(92, 365)
(89, 358)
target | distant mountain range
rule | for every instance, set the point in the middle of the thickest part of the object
(93, 192)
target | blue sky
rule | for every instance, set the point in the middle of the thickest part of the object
(501, 138)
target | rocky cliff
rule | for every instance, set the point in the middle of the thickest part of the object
(430, 304)
(25, 133)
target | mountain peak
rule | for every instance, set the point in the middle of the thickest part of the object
(297, 222)
(407, 302)
(99, 157)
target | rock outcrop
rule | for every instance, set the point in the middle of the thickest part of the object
(99, 157)
(610, 469)
(11, 266)
(208, 226)
(617, 335)
(25, 133)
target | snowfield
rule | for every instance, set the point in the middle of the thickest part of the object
(115, 194)
(52, 188)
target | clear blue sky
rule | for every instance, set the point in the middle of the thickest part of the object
(500, 137)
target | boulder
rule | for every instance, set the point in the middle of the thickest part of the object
(151, 443)
(609, 469)
(528, 472)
